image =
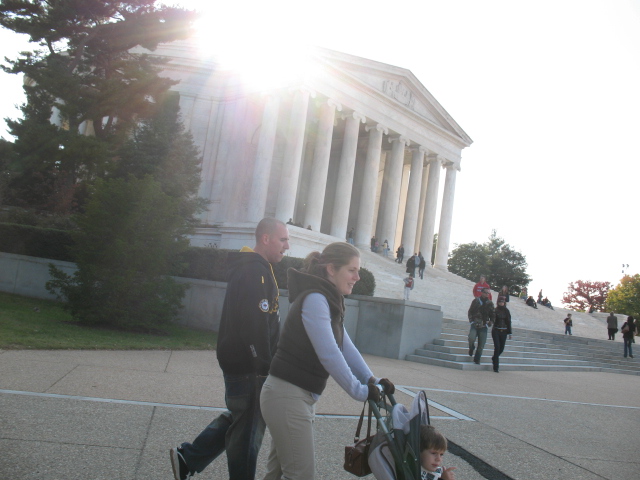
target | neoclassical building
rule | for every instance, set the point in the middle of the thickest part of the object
(351, 143)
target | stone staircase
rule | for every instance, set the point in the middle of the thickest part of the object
(527, 350)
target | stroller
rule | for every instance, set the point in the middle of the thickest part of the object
(394, 453)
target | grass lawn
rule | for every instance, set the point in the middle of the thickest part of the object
(29, 323)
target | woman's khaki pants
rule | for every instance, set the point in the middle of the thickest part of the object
(289, 412)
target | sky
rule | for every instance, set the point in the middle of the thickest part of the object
(549, 91)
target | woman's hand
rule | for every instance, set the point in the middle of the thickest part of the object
(388, 387)
(374, 392)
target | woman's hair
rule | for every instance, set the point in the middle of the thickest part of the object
(504, 287)
(630, 319)
(432, 439)
(337, 254)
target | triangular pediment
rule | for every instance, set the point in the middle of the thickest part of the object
(396, 84)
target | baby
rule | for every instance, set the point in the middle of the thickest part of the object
(432, 447)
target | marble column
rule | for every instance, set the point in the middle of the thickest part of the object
(446, 217)
(318, 183)
(364, 227)
(430, 205)
(390, 199)
(264, 159)
(344, 185)
(413, 200)
(423, 196)
(293, 155)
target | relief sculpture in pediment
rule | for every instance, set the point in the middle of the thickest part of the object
(399, 92)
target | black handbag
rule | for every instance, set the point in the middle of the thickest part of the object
(356, 456)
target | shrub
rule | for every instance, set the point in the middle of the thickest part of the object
(36, 242)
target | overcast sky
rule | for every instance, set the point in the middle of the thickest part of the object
(548, 91)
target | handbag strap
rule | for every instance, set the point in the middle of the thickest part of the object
(357, 437)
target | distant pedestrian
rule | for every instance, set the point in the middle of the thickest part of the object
(523, 294)
(422, 265)
(481, 285)
(481, 316)
(400, 254)
(501, 328)
(374, 242)
(385, 248)
(540, 296)
(504, 293)
(612, 326)
(408, 286)
(350, 236)
(568, 323)
(628, 331)
(411, 266)
(531, 302)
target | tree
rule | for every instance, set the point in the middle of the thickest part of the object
(495, 259)
(127, 238)
(584, 295)
(625, 297)
(88, 77)
(134, 228)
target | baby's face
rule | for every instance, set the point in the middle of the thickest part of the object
(431, 459)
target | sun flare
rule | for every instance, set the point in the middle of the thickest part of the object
(265, 58)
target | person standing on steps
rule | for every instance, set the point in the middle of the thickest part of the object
(247, 339)
(400, 254)
(501, 328)
(612, 326)
(628, 331)
(481, 316)
(408, 286)
(568, 323)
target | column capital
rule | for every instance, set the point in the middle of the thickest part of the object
(379, 127)
(450, 165)
(303, 89)
(357, 116)
(419, 148)
(399, 138)
(333, 103)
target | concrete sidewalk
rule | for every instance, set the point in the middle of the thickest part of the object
(114, 415)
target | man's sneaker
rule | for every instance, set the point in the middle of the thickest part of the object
(179, 466)
(471, 350)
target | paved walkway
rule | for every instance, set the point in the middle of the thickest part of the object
(113, 415)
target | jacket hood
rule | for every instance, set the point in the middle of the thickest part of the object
(243, 257)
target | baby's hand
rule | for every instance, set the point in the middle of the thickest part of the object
(447, 473)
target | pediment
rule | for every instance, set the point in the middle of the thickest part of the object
(398, 85)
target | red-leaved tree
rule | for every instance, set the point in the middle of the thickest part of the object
(586, 296)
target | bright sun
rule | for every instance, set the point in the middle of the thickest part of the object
(264, 49)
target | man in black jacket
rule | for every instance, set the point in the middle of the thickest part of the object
(481, 316)
(247, 338)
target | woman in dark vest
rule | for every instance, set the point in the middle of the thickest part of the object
(313, 345)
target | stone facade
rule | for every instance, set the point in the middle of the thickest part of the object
(351, 143)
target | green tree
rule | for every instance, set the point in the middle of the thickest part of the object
(495, 259)
(88, 75)
(129, 235)
(625, 297)
(160, 146)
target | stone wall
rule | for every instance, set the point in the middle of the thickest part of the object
(378, 326)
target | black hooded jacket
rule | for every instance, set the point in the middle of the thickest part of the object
(250, 321)
(295, 360)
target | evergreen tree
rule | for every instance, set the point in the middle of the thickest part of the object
(495, 259)
(127, 239)
(88, 77)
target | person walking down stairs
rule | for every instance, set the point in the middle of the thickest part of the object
(628, 331)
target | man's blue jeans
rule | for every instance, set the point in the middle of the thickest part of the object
(238, 430)
(481, 335)
(627, 346)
